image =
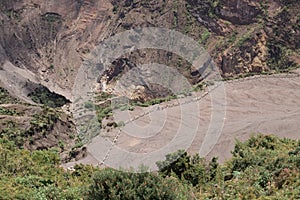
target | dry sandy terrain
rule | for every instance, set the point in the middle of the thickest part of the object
(261, 104)
(265, 105)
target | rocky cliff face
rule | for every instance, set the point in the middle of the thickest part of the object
(51, 39)
(258, 36)
(249, 57)
(46, 42)
(239, 12)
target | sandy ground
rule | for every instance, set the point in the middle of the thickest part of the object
(265, 105)
(269, 105)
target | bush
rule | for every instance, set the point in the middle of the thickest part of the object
(112, 184)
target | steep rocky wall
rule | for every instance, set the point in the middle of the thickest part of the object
(252, 36)
(239, 12)
(52, 38)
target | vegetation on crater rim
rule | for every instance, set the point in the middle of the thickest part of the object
(264, 166)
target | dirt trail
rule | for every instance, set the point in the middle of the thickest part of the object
(261, 104)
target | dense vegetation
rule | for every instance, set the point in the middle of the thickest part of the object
(43, 95)
(40, 124)
(264, 167)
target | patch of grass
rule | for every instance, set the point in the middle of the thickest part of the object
(126, 107)
(212, 9)
(190, 20)
(11, 112)
(102, 96)
(199, 87)
(89, 105)
(224, 43)
(242, 40)
(204, 37)
(232, 38)
(245, 75)
(103, 111)
(264, 7)
(153, 101)
(61, 145)
(78, 145)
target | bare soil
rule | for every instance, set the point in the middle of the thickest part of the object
(260, 104)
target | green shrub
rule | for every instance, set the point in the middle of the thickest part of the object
(204, 36)
(89, 105)
(11, 112)
(112, 184)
